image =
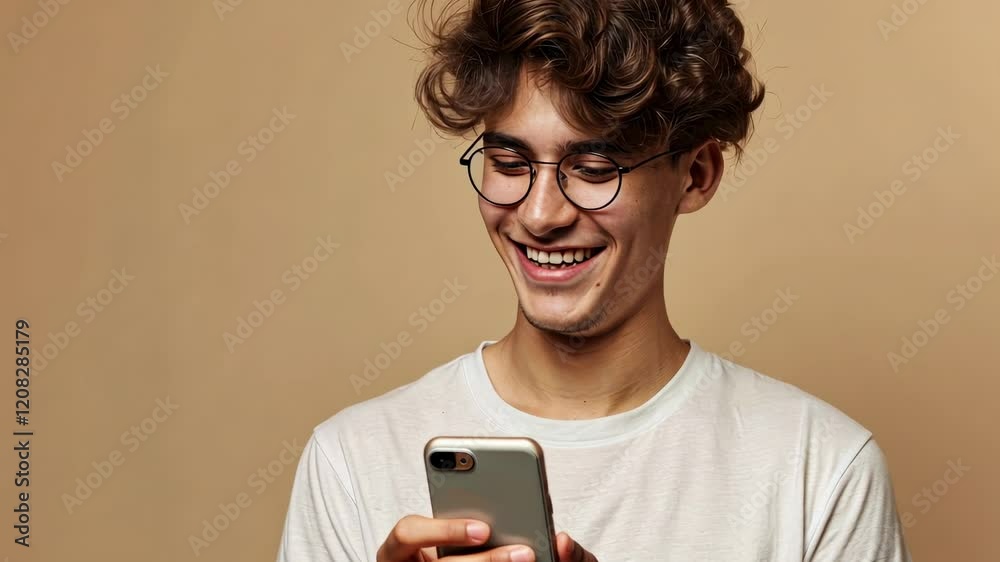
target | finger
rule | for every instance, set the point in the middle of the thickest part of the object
(570, 551)
(516, 553)
(414, 532)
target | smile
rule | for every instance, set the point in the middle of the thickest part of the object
(556, 265)
(559, 259)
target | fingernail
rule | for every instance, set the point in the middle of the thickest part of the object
(522, 554)
(477, 531)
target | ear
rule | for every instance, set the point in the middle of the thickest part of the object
(704, 173)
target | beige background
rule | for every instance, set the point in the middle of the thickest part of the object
(774, 226)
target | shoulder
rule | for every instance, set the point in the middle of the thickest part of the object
(763, 401)
(784, 427)
(816, 447)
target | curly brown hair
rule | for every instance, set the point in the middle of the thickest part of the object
(640, 73)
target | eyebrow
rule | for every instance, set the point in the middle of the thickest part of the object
(568, 147)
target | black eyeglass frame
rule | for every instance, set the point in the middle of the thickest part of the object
(466, 160)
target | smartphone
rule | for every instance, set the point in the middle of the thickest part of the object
(497, 480)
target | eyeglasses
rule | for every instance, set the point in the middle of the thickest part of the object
(589, 180)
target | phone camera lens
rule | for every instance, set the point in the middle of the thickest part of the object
(443, 460)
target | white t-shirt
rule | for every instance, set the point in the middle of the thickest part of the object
(723, 464)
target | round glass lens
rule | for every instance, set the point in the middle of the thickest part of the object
(589, 180)
(499, 175)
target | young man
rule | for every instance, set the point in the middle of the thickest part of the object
(603, 121)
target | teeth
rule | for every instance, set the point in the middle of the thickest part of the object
(558, 258)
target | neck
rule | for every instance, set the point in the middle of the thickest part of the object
(558, 376)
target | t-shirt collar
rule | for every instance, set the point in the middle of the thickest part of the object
(576, 433)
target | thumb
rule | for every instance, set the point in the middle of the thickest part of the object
(570, 551)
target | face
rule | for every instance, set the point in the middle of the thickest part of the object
(610, 260)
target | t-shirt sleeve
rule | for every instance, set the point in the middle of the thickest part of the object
(860, 522)
(323, 522)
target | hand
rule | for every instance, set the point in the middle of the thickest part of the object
(570, 551)
(414, 539)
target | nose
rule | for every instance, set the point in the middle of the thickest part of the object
(546, 209)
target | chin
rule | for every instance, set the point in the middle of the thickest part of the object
(566, 322)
